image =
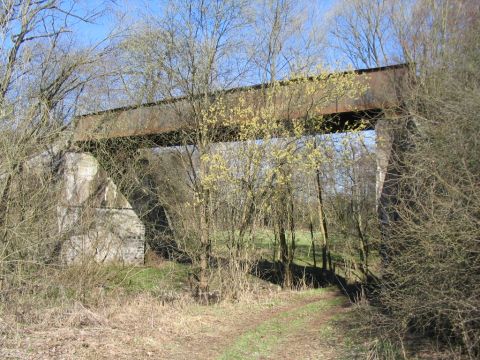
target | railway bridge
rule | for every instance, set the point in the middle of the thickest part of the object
(121, 225)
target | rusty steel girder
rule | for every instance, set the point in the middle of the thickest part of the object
(163, 120)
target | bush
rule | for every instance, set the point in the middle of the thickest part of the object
(432, 278)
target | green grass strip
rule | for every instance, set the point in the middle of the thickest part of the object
(265, 337)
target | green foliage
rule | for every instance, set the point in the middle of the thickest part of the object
(169, 276)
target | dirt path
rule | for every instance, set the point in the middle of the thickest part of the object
(289, 325)
(318, 339)
(301, 330)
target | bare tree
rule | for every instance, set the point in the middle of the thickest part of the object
(434, 222)
(430, 231)
(361, 31)
(43, 70)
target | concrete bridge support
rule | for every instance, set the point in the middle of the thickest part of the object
(95, 220)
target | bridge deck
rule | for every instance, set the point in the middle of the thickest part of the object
(161, 122)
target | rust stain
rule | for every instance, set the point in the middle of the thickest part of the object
(169, 116)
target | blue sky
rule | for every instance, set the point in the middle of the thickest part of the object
(133, 9)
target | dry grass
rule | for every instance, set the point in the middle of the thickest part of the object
(143, 326)
(126, 327)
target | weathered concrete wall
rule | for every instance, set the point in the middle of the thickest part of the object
(384, 137)
(94, 218)
(393, 142)
(111, 235)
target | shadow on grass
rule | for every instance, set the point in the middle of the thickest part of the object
(309, 276)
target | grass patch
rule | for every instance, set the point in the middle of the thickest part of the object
(167, 276)
(263, 244)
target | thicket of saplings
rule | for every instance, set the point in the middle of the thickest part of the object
(277, 223)
(431, 277)
(282, 228)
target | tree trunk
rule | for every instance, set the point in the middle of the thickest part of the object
(284, 257)
(313, 245)
(363, 246)
(4, 201)
(323, 223)
(326, 258)
(205, 250)
(291, 250)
